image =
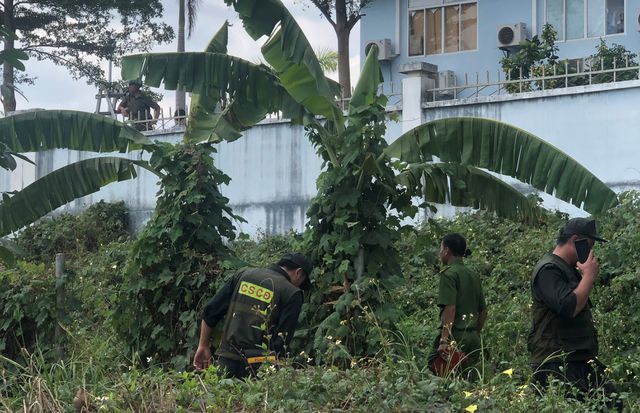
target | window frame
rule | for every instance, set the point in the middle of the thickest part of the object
(442, 5)
(585, 17)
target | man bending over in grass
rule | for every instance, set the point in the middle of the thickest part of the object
(260, 307)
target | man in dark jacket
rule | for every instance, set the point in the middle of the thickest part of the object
(260, 307)
(563, 340)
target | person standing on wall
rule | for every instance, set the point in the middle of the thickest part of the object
(260, 307)
(463, 310)
(563, 340)
(137, 106)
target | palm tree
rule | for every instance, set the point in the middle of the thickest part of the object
(190, 9)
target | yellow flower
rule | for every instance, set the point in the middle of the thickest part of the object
(467, 394)
(508, 372)
(471, 408)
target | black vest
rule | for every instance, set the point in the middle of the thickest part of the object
(259, 296)
(554, 335)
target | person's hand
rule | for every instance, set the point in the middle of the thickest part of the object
(202, 358)
(590, 267)
(443, 348)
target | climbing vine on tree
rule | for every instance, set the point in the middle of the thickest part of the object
(351, 235)
(177, 257)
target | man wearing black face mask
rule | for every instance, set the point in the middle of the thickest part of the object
(563, 340)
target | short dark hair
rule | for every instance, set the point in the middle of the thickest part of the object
(457, 244)
(295, 260)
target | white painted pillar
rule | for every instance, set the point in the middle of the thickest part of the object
(420, 77)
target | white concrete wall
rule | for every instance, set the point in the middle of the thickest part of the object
(274, 167)
(596, 125)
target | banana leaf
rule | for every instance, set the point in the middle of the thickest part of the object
(507, 150)
(66, 129)
(291, 56)
(61, 186)
(467, 186)
(366, 90)
(252, 90)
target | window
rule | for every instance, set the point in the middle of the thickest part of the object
(579, 19)
(442, 26)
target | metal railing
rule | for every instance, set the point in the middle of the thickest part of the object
(579, 72)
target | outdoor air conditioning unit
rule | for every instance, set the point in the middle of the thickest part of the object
(510, 35)
(385, 49)
(446, 79)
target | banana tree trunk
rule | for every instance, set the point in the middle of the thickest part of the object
(8, 75)
(180, 95)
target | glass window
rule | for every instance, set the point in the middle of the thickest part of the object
(602, 17)
(595, 18)
(575, 19)
(424, 3)
(555, 16)
(434, 31)
(451, 29)
(416, 32)
(468, 27)
(615, 16)
(445, 29)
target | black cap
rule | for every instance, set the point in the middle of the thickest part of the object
(136, 82)
(582, 226)
(300, 261)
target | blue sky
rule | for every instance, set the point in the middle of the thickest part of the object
(55, 88)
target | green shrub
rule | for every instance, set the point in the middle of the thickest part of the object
(74, 235)
(27, 309)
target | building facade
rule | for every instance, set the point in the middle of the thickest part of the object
(442, 58)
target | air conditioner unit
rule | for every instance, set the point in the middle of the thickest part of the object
(510, 35)
(446, 79)
(385, 49)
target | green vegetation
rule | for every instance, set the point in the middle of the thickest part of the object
(396, 379)
(537, 58)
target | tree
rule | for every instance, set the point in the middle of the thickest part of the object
(77, 34)
(190, 9)
(343, 16)
(356, 216)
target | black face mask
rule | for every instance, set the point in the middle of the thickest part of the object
(582, 249)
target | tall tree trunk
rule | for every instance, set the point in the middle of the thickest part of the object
(342, 32)
(180, 95)
(8, 76)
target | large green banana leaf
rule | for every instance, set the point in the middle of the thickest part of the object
(216, 77)
(467, 186)
(61, 186)
(366, 90)
(204, 122)
(66, 129)
(507, 150)
(290, 54)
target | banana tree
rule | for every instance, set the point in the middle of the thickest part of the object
(366, 187)
(466, 147)
(61, 129)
